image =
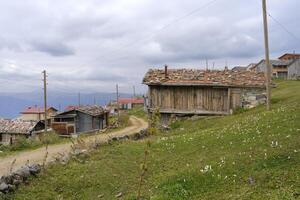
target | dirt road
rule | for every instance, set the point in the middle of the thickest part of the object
(37, 155)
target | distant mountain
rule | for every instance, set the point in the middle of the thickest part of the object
(11, 104)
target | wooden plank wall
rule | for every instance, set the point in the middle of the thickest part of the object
(189, 98)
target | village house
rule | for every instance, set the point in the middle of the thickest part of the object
(36, 113)
(187, 92)
(130, 103)
(285, 67)
(239, 68)
(80, 119)
(12, 130)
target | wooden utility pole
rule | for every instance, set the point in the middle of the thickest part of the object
(95, 100)
(45, 100)
(133, 91)
(206, 61)
(268, 66)
(118, 106)
(79, 99)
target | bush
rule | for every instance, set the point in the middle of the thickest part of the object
(124, 119)
(50, 138)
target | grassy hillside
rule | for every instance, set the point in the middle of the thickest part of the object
(250, 155)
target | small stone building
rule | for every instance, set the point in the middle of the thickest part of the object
(12, 130)
(186, 92)
(80, 119)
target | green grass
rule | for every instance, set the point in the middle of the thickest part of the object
(249, 155)
(138, 112)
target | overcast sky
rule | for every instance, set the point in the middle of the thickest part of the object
(90, 45)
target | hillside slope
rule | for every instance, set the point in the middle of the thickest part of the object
(250, 155)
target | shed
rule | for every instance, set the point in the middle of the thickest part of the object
(180, 92)
(11, 130)
(81, 119)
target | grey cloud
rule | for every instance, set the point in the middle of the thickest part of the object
(53, 48)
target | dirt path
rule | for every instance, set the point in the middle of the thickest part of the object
(37, 155)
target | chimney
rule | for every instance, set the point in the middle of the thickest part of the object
(166, 71)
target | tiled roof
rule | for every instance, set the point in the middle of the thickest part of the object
(16, 126)
(204, 78)
(35, 110)
(239, 68)
(93, 110)
(131, 100)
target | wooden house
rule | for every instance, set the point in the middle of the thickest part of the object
(12, 130)
(294, 70)
(289, 56)
(80, 119)
(279, 68)
(180, 92)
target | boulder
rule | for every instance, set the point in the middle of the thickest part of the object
(34, 169)
(4, 188)
(23, 172)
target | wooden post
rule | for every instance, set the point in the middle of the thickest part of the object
(228, 100)
(45, 100)
(268, 66)
(118, 106)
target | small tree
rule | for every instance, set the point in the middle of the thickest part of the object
(153, 122)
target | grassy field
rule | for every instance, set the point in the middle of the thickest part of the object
(250, 155)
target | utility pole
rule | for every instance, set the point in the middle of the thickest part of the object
(94, 100)
(45, 100)
(206, 63)
(268, 66)
(133, 91)
(78, 98)
(118, 106)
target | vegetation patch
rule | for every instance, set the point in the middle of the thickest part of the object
(249, 155)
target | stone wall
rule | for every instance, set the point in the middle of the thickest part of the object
(253, 97)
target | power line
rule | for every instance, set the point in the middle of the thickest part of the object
(283, 27)
(154, 33)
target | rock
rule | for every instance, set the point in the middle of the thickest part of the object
(4, 188)
(23, 172)
(119, 195)
(6, 179)
(100, 196)
(34, 169)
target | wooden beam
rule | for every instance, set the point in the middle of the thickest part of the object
(228, 100)
(192, 112)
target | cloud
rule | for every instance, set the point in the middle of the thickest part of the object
(53, 48)
(91, 45)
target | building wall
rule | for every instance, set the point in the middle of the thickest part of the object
(190, 99)
(294, 70)
(212, 100)
(37, 116)
(7, 139)
(85, 122)
(277, 71)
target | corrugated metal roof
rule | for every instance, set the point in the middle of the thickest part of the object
(204, 77)
(16, 126)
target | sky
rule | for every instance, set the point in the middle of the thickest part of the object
(92, 45)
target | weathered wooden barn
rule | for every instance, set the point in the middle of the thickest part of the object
(12, 130)
(179, 92)
(80, 119)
